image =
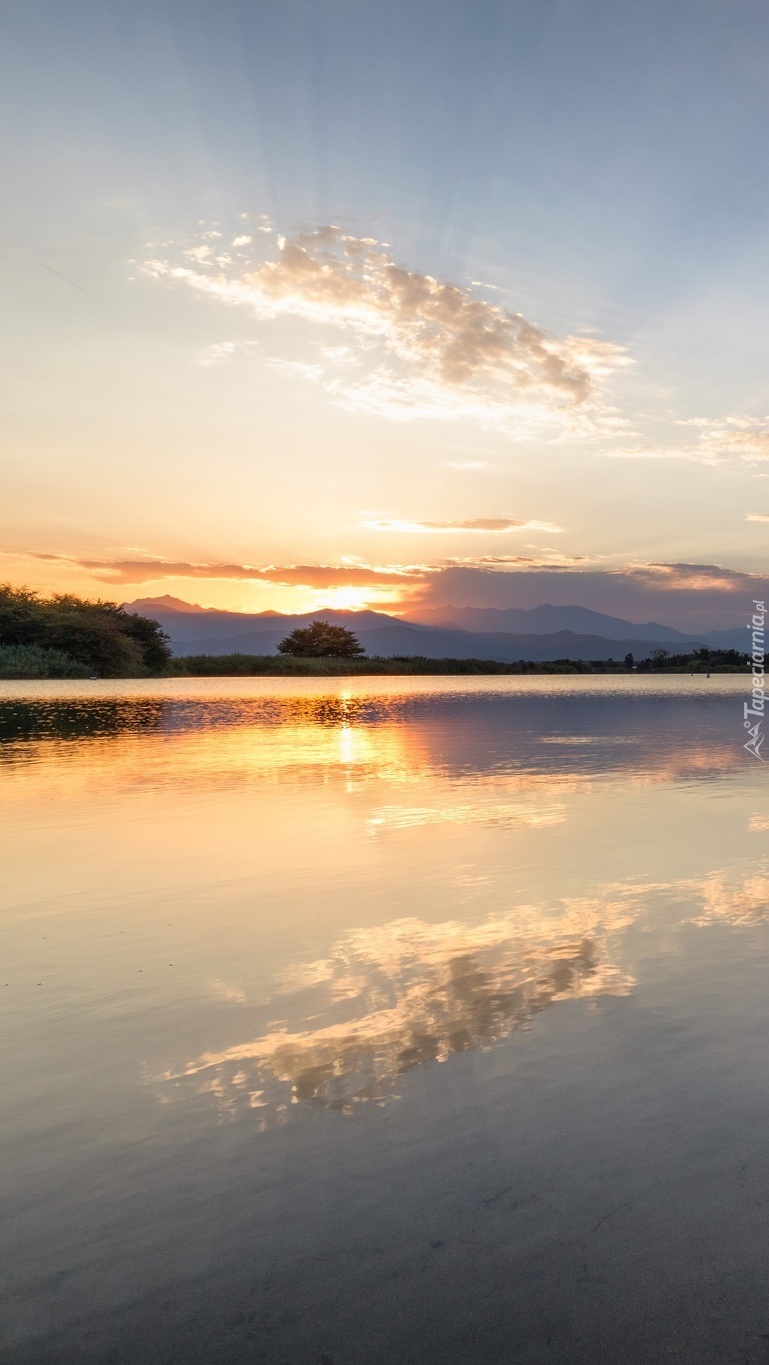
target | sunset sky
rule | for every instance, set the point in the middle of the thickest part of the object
(336, 302)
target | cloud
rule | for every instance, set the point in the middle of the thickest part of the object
(733, 438)
(432, 348)
(690, 597)
(221, 350)
(744, 438)
(756, 516)
(289, 575)
(654, 453)
(543, 558)
(486, 525)
(693, 577)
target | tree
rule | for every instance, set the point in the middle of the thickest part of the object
(22, 616)
(149, 635)
(101, 637)
(320, 640)
(92, 633)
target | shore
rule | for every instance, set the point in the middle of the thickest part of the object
(282, 666)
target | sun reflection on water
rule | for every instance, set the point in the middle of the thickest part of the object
(391, 837)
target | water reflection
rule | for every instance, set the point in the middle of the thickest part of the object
(392, 998)
(23, 721)
(367, 792)
(275, 909)
(651, 736)
(743, 903)
(409, 993)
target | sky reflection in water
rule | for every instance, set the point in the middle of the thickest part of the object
(239, 908)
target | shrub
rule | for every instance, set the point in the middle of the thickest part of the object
(102, 637)
(32, 661)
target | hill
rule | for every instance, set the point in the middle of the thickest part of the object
(198, 630)
(544, 620)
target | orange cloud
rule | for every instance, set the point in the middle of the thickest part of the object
(475, 524)
(290, 575)
(691, 597)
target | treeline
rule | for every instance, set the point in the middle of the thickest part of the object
(701, 660)
(292, 666)
(64, 636)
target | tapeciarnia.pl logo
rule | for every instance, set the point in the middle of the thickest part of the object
(753, 711)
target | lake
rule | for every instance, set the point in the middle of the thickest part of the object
(359, 1022)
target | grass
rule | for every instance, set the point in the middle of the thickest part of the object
(32, 662)
(287, 666)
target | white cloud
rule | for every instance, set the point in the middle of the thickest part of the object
(198, 253)
(648, 452)
(224, 350)
(746, 438)
(717, 442)
(295, 367)
(432, 349)
(220, 351)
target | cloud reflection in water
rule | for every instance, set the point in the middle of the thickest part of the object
(407, 993)
(394, 997)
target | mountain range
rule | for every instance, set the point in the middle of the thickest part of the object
(540, 634)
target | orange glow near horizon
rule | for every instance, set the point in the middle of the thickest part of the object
(355, 599)
(224, 594)
(689, 597)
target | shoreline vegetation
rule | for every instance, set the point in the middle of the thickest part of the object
(68, 637)
(287, 666)
(64, 636)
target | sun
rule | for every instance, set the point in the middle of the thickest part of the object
(348, 599)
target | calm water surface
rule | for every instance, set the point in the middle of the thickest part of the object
(376, 1021)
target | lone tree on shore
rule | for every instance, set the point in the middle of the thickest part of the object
(322, 641)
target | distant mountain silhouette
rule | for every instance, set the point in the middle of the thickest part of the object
(200, 630)
(152, 605)
(543, 620)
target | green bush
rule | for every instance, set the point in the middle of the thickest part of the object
(101, 637)
(32, 661)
